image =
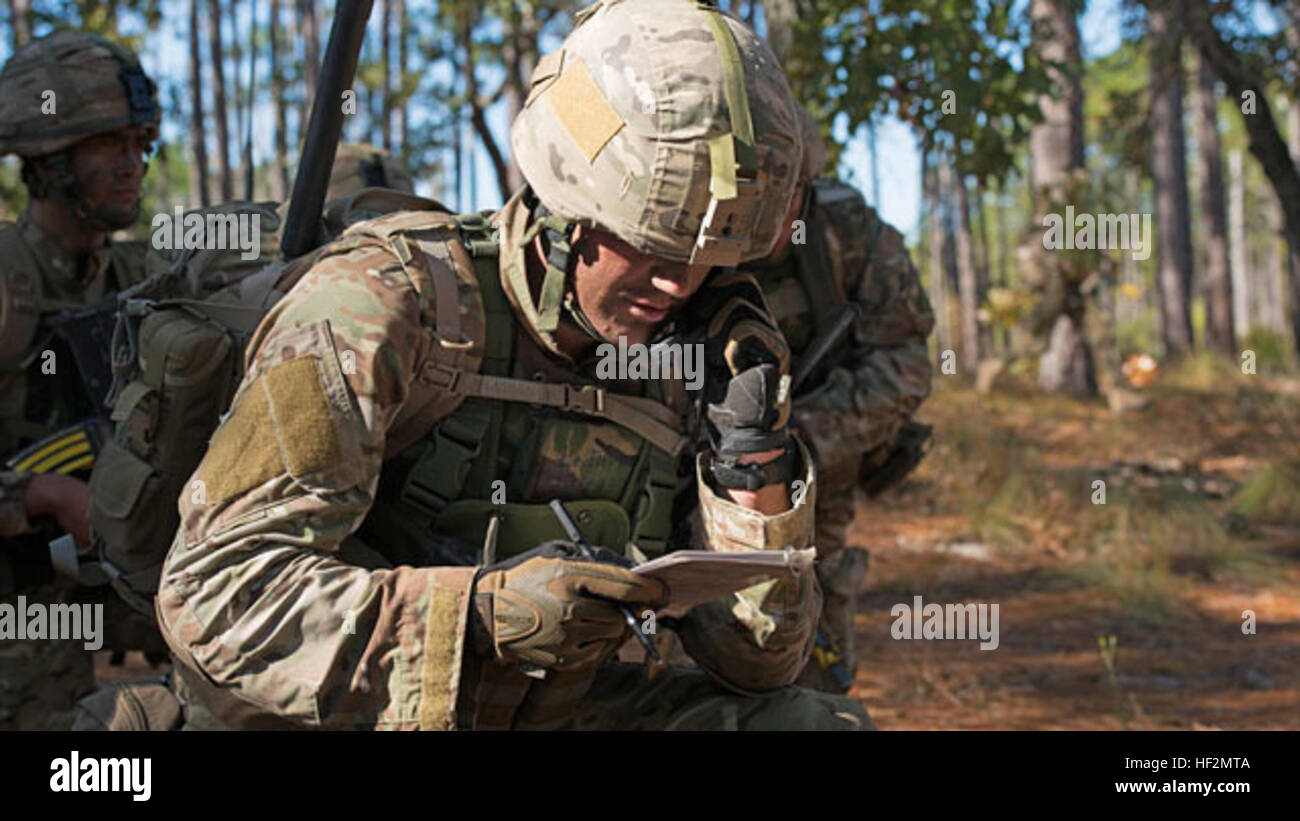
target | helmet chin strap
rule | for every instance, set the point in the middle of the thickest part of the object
(557, 296)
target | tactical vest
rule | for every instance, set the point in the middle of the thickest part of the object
(474, 487)
(36, 400)
(180, 361)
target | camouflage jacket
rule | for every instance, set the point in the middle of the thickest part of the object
(34, 402)
(276, 611)
(880, 373)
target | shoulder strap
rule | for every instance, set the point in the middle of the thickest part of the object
(440, 270)
(647, 418)
(816, 272)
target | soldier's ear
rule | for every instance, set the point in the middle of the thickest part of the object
(36, 176)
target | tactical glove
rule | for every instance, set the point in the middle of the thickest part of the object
(752, 418)
(541, 607)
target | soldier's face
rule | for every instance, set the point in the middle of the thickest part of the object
(109, 169)
(625, 292)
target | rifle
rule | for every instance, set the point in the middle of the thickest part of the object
(824, 343)
(338, 69)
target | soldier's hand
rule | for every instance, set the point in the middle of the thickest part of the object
(541, 611)
(753, 415)
(65, 498)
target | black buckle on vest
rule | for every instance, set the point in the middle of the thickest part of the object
(584, 399)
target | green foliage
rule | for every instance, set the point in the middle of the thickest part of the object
(1272, 350)
(905, 58)
(1272, 494)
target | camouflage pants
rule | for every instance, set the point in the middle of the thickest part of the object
(623, 697)
(41, 680)
(840, 570)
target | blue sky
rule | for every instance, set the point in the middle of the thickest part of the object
(166, 55)
(899, 162)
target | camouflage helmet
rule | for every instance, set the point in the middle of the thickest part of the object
(813, 160)
(669, 124)
(58, 90)
(358, 165)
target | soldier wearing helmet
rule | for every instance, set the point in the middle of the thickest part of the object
(376, 548)
(82, 115)
(855, 408)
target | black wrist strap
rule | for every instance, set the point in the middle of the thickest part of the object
(779, 471)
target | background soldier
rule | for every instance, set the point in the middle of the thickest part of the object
(853, 409)
(83, 116)
(422, 365)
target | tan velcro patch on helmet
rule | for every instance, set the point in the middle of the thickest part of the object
(582, 109)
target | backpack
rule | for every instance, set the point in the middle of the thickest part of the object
(177, 358)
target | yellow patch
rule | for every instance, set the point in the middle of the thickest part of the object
(583, 110)
(303, 417)
(439, 657)
(282, 423)
(243, 453)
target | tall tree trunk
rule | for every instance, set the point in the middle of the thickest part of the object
(936, 177)
(1293, 127)
(968, 285)
(518, 54)
(1293, 119)
(478, 117)
(1246, 86)
(1003, 336)
(375, 98)
(309, 28)
(781, 16)
(403, 127)
(1239, 249)
(1056, 158)
(219, 100)
(1214, 218)
(386, 84)
(1128, 306)
(20, 16)
(943, 261)
(1169, 177)
(237, 59)
(1275, 284)
(280, 165)
(983, 264)
(199, 168)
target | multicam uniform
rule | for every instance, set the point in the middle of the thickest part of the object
(41, 679)
(410, 371)
(852, 409)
